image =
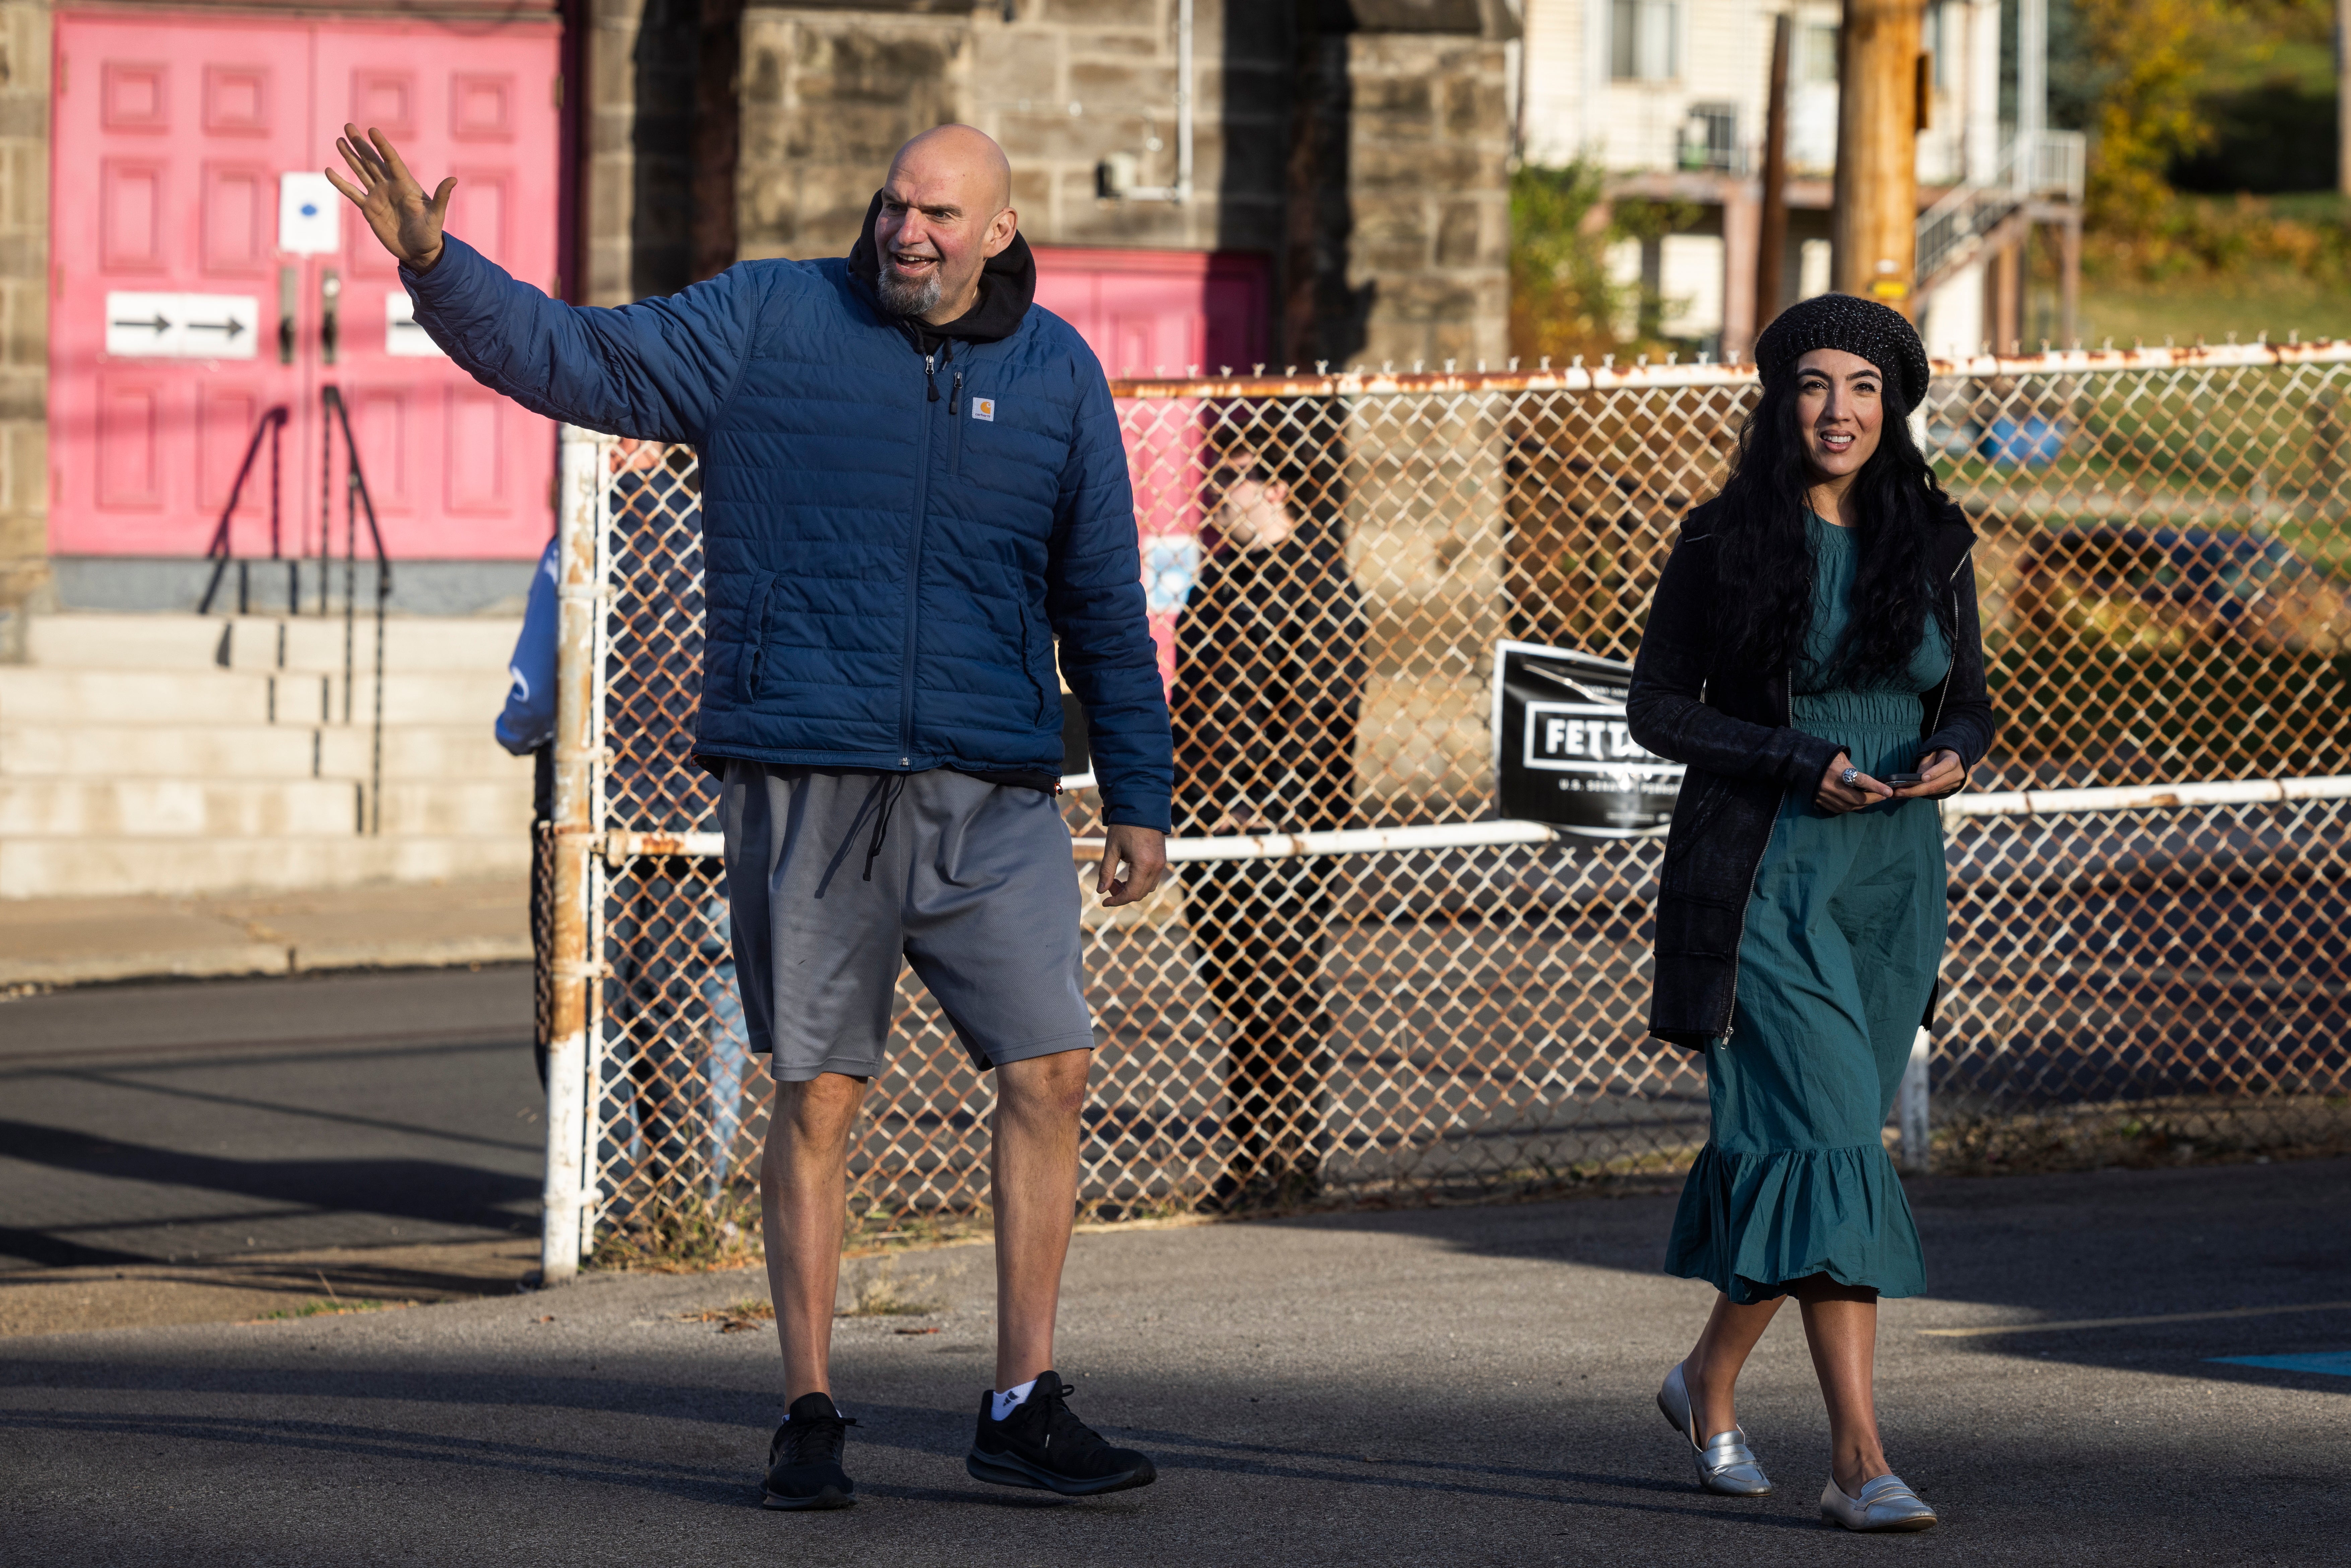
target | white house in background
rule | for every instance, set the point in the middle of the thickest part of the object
(1670, 96)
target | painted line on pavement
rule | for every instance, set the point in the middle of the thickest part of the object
(2331, 1363)
(1989, 1330)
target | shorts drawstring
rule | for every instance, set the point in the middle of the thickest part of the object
(892, 785)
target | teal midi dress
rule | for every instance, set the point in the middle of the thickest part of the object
(1837, 967)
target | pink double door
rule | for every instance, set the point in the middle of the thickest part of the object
(206, 274)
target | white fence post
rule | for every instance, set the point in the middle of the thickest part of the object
(1910, 1106)
(579, 581)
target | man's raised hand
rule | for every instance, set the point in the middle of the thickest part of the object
(404, 218)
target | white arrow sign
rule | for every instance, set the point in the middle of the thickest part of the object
(182, 326)
(401, 335)
(143, 325)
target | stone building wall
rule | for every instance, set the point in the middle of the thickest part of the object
(1401, 257)
(25, 581)
(829, 93)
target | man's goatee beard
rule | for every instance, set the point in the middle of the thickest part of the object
(909, 298)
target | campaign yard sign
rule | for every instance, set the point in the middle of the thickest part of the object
(1561, 752)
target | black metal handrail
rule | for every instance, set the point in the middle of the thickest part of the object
(272, 425)
(356, 500)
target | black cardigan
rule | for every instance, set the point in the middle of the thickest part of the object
(1269, 679)
(1695, 700)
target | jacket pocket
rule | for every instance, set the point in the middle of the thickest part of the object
(750, 661)
(1694, 813)
(1033, 639)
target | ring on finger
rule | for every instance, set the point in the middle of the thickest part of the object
(1849, 778)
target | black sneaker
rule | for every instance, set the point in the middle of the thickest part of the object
(1041, 1444)
(804, 1461)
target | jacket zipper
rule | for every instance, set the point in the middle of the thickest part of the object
(955, 427)
(1944, 692)
(914, 572)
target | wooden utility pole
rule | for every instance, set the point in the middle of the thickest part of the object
(1772, 239)
(2343, 96)
(1876, 224)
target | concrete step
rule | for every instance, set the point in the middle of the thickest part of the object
(111, 864)
(168, 808)
(240, 696)
(457, 810)
(94, 640)
(450, 752)
(452, 644)
(284, 751)
(161, 696)
(174, 808)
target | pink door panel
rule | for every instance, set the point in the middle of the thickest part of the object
(173, 134)
(478, 471)
(169, 135)
(1162, 315)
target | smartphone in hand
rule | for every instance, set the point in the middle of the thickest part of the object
(1904, 780)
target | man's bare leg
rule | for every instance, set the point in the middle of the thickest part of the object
(803, 1209)
(1034, 1164)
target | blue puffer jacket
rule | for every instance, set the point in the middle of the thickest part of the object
(891, 550)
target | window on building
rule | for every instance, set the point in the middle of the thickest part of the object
(1645, 40)
(1709, 138)
(1818, 60)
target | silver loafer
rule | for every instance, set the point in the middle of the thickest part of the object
(1725, 1463)
(1884, 1504)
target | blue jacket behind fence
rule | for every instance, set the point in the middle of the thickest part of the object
(886, 568)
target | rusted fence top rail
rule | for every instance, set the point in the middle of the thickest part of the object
(620, 845)
(1609, 376)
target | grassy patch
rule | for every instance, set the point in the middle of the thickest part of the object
(883, 1293)
(2247, 301)
(743, 1316)
(686, 1231)
(2147, 1136)
(329, 1309)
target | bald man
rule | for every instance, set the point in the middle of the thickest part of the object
(914, 496)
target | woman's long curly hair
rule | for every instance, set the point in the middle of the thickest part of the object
(1894, 508)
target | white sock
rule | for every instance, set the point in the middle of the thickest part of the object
(1008, 1400)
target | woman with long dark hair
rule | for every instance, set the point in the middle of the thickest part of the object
(1814, 656)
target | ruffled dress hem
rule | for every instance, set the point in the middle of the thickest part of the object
(1750, 1224)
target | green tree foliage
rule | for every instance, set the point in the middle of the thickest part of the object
(1562, 301)
(2149, 57)
(2221, 95)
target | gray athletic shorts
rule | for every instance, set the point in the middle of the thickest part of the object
(973, 883)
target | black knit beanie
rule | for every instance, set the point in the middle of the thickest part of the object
(1864, 327)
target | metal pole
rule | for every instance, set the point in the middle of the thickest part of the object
(579, 577)
(1184, 102)
(1772, 240)
(1911, 1106)
(2343, 96)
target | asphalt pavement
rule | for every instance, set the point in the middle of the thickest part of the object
(1441, 1386)
(371, 1134)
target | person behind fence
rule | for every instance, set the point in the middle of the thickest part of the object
(1268, 677)
(1813, 655)
(526, 728)
(913, 483)
(680, 1054)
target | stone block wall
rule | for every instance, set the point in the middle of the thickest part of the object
(1400, 232)
(25, 581)
(829, 92)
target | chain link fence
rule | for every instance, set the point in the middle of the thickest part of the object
(1453, 1005)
